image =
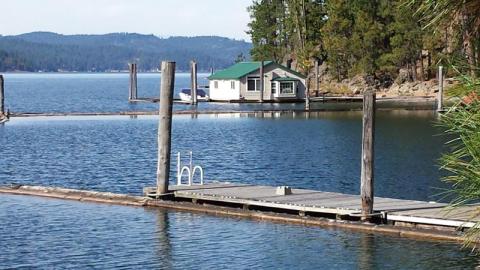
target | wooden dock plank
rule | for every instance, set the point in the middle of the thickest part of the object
(327, 202)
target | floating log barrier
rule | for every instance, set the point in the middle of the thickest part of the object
(165, 126)
(194, 84)
(411, 219)
(366, 186)
(132, 93)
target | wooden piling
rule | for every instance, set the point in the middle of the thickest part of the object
(317, 81)
(307, 94)
(367, 173)
(132, 94)
(262, 79)
(2, 97)
(440, 89)
(193, 88)
(165, 126)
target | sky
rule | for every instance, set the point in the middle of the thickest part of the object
(164, 18)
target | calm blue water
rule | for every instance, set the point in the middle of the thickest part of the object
(38, 92)
(320, 151)
(41, 233)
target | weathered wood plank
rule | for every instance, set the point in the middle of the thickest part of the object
(194, 84)
(368, 137)
(2, 96)
(165, 126)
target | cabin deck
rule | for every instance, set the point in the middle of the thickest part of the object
(328, 204)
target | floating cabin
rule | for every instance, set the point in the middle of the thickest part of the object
(241, 82)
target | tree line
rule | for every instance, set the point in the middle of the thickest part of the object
(361, 37)
(51, 52)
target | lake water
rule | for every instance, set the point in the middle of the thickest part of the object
(99, 92)
(118, 153)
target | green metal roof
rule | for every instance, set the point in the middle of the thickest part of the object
(285, 79)
(237, 71)
(241, 69)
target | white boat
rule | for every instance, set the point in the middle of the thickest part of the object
(185, 95)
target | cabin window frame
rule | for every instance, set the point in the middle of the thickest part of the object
(232, 85)
(273, 87)
(256, 80)
(281, 89)
(215, 84)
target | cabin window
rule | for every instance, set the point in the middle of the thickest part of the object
(253, 84)
(215, 84)
(274, 87)
(232, 84)
(286, 88)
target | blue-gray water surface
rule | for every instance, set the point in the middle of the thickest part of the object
(38, 233)
(319, 151)
(108, 92)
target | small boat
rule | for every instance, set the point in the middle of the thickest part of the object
(185, 95)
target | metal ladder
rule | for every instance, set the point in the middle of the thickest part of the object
(190, 170)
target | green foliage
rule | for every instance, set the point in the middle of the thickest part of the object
(462, 161)
(361, 37)
(282, 30)
(462, 121)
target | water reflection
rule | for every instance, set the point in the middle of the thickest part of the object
(365, 254)
(164, 246)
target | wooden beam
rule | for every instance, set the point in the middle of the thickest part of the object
(165, 126)
(307, 93)
(2, 96)
(132, 91)
(440, 89)
(193, 75)
(367, 175)
(262, 80)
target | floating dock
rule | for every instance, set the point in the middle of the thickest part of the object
(331, 205)
(405, 218)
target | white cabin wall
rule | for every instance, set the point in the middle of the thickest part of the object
(224, 91)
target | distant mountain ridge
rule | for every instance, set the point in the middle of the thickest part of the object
(47, 51)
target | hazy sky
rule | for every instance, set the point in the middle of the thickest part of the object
(164, 18)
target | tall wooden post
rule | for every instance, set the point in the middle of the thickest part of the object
(2, 96)
(193, 88)
(368, 137)
(307, 94)
(440, 89)
(132, 93)
(317, 82)
(165, 126)
(262, 81)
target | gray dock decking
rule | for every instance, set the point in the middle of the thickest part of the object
(318, 202)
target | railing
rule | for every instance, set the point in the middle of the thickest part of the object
(190, 170)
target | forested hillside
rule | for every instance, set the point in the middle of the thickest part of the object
(381, 39)
(44, 51)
